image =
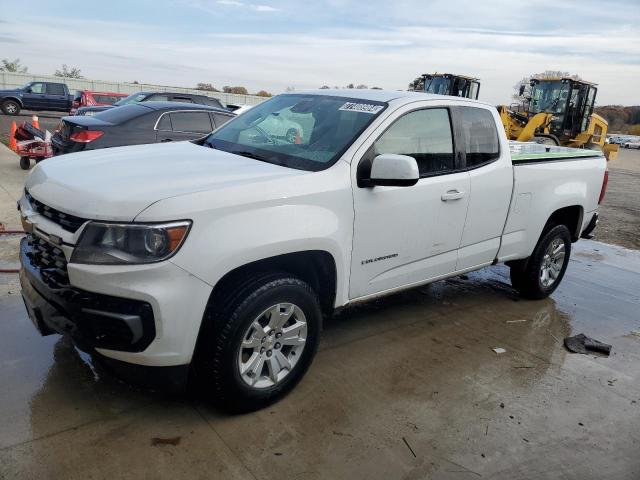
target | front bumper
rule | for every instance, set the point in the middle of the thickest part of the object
(139, 314)
(92, 320)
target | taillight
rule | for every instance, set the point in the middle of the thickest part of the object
(86, 136)
(603, 190)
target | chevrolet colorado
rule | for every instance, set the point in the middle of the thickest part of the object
(218, 258)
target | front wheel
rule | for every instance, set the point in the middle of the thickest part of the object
(539, 275)
(25, 163)
(258, 346)
(10, 107)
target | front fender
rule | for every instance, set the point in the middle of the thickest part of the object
(215, 248)
(14, 98)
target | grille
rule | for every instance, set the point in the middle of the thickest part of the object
(70, 223)
(50, 261)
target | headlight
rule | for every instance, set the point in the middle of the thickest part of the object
(129, 243)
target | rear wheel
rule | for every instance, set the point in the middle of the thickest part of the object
(258, 346)
(539, 275)
(25, 163)
(10, 107)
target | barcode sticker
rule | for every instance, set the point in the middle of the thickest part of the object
(361, 107)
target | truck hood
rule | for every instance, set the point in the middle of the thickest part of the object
(118, 183)
(10, 91)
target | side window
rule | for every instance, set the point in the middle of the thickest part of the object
(55, 89)
(192, 122)
(424, 135)
(182, 99)
(37, 88)
(164, 123)
(480, 136)
(221, 119)
(158, 98)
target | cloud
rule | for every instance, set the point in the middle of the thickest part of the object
(264, 8)
(314, 43)
(257, 8)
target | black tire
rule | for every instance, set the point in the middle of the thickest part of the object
(526, 274)
(25, 163)
(10, 107)
(216, 361)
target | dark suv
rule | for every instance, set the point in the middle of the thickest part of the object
(154, 97)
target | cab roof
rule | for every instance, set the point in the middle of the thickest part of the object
(398, 96)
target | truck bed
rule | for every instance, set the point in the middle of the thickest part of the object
(529, 152)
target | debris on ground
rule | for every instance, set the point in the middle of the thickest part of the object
(499, 350)
(583, 344)
(155, 441)
(517, 321)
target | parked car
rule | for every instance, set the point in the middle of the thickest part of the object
(220, 257)
(632, 144)
(136, 124)
(39, 96)
(85, 98)
(154, 97)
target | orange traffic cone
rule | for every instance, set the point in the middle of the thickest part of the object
(12, 137)
(34, 122)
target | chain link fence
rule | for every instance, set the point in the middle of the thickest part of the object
(9, 80)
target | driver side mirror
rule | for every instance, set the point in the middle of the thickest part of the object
(27, 89)
(391, 170)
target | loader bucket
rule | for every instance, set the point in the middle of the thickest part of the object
(610, 151)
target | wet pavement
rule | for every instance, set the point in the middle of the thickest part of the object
(403, 387)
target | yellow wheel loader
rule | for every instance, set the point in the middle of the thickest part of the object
(559, 111)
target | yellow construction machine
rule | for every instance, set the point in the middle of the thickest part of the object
(558, 111)
(448, 84)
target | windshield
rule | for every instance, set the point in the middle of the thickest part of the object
(549, 96)
(307, 132)
(134, 98)
(437, 85)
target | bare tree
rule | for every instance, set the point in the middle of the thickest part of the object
(324, 87)
(524, 85)
(206, 86)
(290, 89)
(362, 86)
(263, 93)
(67, 72)
(236, 90)
(12, 66)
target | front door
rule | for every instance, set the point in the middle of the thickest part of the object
(35, 98)
(406, 235)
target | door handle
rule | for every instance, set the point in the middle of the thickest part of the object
(452, 195)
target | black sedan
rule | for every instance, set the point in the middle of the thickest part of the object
(135, 124)
(153, 97)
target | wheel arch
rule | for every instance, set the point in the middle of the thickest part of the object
(570, 216)
(316, 267)
(15, 99)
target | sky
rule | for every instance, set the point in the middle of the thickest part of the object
(275, 44)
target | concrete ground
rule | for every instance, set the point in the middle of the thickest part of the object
(404, 387)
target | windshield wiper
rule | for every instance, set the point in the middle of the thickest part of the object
(244, 153)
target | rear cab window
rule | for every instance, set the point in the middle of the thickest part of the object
(55, 89)
(479, 136)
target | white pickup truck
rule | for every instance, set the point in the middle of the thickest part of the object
(219, 258)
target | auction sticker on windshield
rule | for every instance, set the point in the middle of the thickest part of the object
(361, 107)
